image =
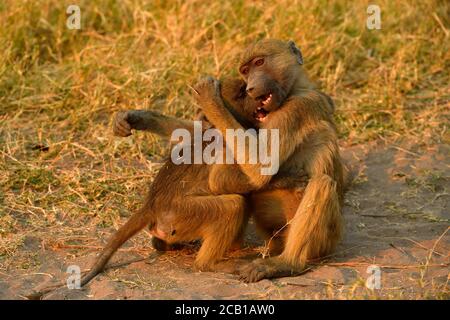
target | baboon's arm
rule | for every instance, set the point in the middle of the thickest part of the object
(155, 122)
(223, 179)
(287, 121)
(228, 179)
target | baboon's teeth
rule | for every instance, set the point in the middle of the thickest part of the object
(260, 114)
(267, 100)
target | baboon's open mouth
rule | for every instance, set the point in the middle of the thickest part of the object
(265, 99)
(260, 114)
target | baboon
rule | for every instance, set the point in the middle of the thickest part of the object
(183, 202)
(289, 102)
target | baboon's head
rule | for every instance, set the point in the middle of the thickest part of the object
(172, 227)
(237, 101)
(272, 70)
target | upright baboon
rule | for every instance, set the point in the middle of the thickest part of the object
(183, 203)
(288, 101)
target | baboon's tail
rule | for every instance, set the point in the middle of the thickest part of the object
(316, 227)
(136, 223)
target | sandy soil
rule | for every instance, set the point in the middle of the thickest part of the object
(396, 217)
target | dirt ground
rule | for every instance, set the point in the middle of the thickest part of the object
(396, 217)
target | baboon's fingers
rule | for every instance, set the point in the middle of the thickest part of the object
(202, 265)
(266, 269)
(120, 132)
(251, 273)
(206, 88)
(205, 81)
(121, 127)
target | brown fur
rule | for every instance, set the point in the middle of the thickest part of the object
(183, 203)
(308, 140)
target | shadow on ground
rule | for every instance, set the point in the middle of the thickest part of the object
(396, 218)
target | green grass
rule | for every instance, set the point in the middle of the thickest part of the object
(60, 87)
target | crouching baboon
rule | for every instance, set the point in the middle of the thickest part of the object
(187, 202)
(288, 101)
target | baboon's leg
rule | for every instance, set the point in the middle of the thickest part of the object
(313, 232)
(223, 219)
(272, 210)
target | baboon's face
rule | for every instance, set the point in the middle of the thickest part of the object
(269, 69)
(171, 227)
(237, 101)
(263, 86)
(165, 227)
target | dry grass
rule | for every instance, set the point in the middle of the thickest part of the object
(61, 171)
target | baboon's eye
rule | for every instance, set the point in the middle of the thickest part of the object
(259, 62)
(244, 70)
(173, 232)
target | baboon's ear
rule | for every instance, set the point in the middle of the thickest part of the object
(296, 51)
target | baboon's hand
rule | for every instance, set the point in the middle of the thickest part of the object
(265, 269)
(207, 90)
(202, 266)
(255, 271)
(121, 126)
